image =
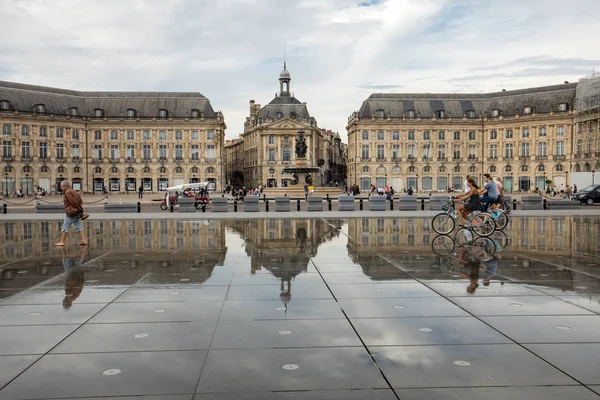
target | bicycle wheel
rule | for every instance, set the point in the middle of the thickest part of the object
(483, 224)
(464, 236)
(500, 240)
(501, 220)
(483, 249)
(505, 207)
(443, 224)
(443, 245)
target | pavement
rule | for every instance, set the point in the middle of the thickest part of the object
(299, 309)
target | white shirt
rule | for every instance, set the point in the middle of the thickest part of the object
(467, 188)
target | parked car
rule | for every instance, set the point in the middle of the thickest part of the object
(588, 195)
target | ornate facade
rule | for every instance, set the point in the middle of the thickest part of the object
(117, 140)
(586, 152)
(433, 141)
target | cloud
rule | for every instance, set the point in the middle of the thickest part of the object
(338, 51)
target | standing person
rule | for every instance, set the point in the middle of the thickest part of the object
(74, 214)
(574, 189)
(500, 190)
(140, 192)
(306, 192)
(562, 190)
(467, 187)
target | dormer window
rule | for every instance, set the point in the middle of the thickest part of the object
(379, 114)
(440, 114)
(471, 114)
(495, 113)
(410, 114)
(99, 113)
(163, 114)
(4, 105)
(563, 107)
(195, 113)
(131, 113)
(72, 111)
(39, 108)
(527, 110)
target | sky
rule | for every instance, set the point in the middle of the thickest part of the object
(338, 51)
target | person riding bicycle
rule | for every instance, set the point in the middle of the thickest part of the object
(489, 193)
(471, 201)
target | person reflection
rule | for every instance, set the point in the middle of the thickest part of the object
(469, 268)
(491, 269)
(75, 276)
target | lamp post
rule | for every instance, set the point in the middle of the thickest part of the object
(593, 181)
(27, 186)
(512, 182)
(93, 184)
(417, 184)
(544, 188)
(6, 183)
(448, 182)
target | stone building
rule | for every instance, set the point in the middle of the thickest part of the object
(433, 141)
(234, 162)
(269, 137)
(586, 152)
(117, 140)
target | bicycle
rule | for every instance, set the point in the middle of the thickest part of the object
(499, 216)
(504, 206)
(481, 223)
(482, 248)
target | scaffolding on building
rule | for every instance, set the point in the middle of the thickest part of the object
(587, 94)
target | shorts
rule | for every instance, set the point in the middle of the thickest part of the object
(471, 206)
(71, 221)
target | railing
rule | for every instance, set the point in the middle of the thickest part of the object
(472, 158)
(425, 158)
(76, 159)
(559, 157)
(541, 158)
(494, 158)
(523, 158)
(442, 159)
(97, 160)
(8, 158)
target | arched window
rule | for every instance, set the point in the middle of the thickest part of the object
(44, 169)
(471, 114)
(27, 168)
(440, 114)
(426, 170)
(381, 171)
(146, 170)
(492, 169)
(410, 114)
(271, 171)
(442, 169)
(4, 105)
(527, 110)
(194, 170)
(163, 113)
(72, 111)
(508, 168)
(365, 169)
(577, 168)
(524, 168)
(495, 112)
(195, 113)
(97, 170)
(396, 170)
(379, 113)
(131, 113)
(541, 168)
(210, 170)
(162, 170)
(114, 170)
(457, 169)
(411, 169)
(77, 170)
(472, 169)
(179, 170)
(99, 113)
(559, 168)
(130, 170)
(39, 108)
(9, 169)
(61, 170)
(587, 167)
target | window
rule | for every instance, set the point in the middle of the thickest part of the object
(114, 152)
(146, 170)
(162, 113)
(195, 113)
(365, 135)
(410, 113)
(411, 151)
(114, 170)
(471, 135)
(75, 134)
(380, 152)
(365, 151)
(524, 149)
(178, 135)
(195, 135)
(60, 151)
(559, 168)
(426, 135)
(426, 151)
(492, 169)
(4, 105)
(194, 170)
(541, 168)
(493, 135)
(542, 131)
(508, 168)
(395, 135)
(24, 130)
(524, 168)
(441, 135)
(146, 135)
(97, 151)
(114, 135)
(210, 152)
(73, 111)
(162, 151)
(60, 133)
(365, 170)
(456, 153)
(130, 135)
(380, 135)
(542, 149)
(525, 132)
(162, 170)
(560, 149)
(271, 171)
(6, 130)
(527, 110)
(162, 135)
(563, 106)
(472, 169)
(493, 151)
(147, 151)
(508, 134)
(441, 151)
(560, 131)
(440, 114)
(456, 135)
(379, 113)
(508, 150)
(39, 108)
(43, 150)
(271, 139)
(395, 151)
(131, 113)
(426, 170)
(75, 151)
(495, 112)
(179, 152)
(195, 152)
(6, 148)
(286, 156)
(43, 132)
(210, 170)
(131, 151)
(210, 135)
(411, 169)
(457, 169)
(411, 135)
(472, 151)
(286, 139)
(179, 170)
(98, 135)
(471, 114)
(442, 169)
(130, 170)
(99, 113)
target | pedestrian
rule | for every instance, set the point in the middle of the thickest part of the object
(568, 192)
(574, 189)
(140, 192)
(466, 183)
(74, 214)
(562, 190)
(305, 192)
(410, 191)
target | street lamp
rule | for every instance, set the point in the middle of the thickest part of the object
(417, 184)
(93, 184)
(512, 182)
(27, 186)
(448, 182)
(593, 181)
(6, 183)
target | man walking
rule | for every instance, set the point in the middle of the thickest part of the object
(74, 214)
(140, 192)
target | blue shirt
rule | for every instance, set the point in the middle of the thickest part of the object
(492, 189)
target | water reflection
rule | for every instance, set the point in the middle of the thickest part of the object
(75, 275)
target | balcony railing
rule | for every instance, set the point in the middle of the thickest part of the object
(76, 159)
(114, 159)
(523, 158)
(541, 158)
(411, 159)
(559, 157)
(364, 159)
(60, 158)
(130, 159)
(472, 158)
(508, 158)
(380, 159)
(425, 158)
(492, 158)
(396, 159)
(442, 159)
(8, 158)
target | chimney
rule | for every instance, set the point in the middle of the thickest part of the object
(251, 108)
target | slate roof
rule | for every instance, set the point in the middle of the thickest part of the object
(509, 102)
(23, 97)
(286, 105)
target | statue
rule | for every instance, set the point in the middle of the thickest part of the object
(301, 145)
(308, 179)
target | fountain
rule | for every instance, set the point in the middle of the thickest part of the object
(301, 172)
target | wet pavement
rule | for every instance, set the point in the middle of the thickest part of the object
(309, 309)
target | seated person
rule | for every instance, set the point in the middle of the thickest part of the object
(471, 199)
(489, 193)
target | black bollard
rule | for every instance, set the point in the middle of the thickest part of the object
(328, 203)
(139, 207)
(327, 196)
(171, 208)
(391, 203)
(360, 205)
(514, 204)
(422, 204)
(235, 205)
(4, 208)
(265, 198)
(297, 205)
(267, 205)
(544, 204)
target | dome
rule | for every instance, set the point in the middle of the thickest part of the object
(284, 74)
